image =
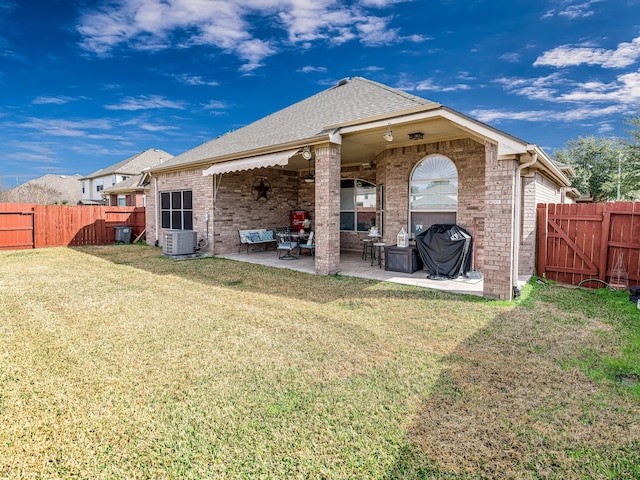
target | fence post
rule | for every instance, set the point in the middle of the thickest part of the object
(542, 239)
(604, 244)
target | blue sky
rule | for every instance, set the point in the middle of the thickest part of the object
(85, 84)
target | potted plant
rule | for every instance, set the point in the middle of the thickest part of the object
(306, 225)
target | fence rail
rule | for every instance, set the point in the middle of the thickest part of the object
(589, 241)
(36, 226)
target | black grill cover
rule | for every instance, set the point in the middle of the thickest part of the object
(445, 250)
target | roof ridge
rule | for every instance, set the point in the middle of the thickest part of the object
(397, 91)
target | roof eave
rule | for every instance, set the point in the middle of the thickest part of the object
(207, 162)
(550, 166)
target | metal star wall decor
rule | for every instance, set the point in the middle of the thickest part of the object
(261, 189)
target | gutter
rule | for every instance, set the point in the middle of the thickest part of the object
(551, 166)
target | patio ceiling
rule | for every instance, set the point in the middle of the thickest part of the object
(364, 145)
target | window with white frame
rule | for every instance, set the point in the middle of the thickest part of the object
(357, 205)
(176, 210)
(99, 185)
(122, 200)
(433, 193)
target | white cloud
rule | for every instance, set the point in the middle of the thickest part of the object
(195, 80)
(466, 76)
(380, 3)
(369, 69)
(61, 100)
(429, 85)
(572, 10)
(512, 57)
(541, 88)
(226, 24)
(312, 69)
(148, 127)
(66, 128)
(572, 115)
(565, 56)
(215, 105)
(145, 102)
(252, 52)
(624, 90)
(573, 101)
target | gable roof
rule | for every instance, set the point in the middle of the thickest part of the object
(348, 101)
(131, 184)
(134, 164)
(355, 106)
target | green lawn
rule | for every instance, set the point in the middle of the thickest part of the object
(116, 362)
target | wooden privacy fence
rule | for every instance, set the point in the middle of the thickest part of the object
(35, 226)
(586, 241)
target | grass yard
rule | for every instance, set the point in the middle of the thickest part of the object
(116, 362)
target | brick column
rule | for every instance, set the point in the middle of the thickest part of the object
(498, 239)
(327, 209)
(150, 213)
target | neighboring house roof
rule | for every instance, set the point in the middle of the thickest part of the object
(346, 102)
(134, 164)
(131, 184)
(47, 189)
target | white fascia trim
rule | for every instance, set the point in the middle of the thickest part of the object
(549, 164)
(506, 145)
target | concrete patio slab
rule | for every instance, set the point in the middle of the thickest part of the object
(352, 264)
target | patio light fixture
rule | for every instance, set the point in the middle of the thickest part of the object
(306, 153)
(388, 136)
(309, 178)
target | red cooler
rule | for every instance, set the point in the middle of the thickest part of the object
(297, 217)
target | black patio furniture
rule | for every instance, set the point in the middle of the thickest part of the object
(288, 247)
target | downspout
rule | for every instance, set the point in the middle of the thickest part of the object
(563, 194)
(216, 179)
(155, 182)
(518, 219)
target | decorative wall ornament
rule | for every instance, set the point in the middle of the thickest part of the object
(261, 189)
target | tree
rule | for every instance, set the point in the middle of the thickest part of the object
(631, 163)
(595, 160)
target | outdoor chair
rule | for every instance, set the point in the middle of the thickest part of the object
(310, 245)
(287, 245)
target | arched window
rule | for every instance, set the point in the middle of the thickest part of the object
(357, 205)
(433, 193)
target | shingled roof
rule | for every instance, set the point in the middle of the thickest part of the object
(348, 101)
(129, 185)
(134, 164)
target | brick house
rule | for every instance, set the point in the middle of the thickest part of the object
(130, 192)
(378, 156)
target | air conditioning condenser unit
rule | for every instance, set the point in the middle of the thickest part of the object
(179, 242)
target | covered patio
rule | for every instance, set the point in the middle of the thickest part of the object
(352, 265)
